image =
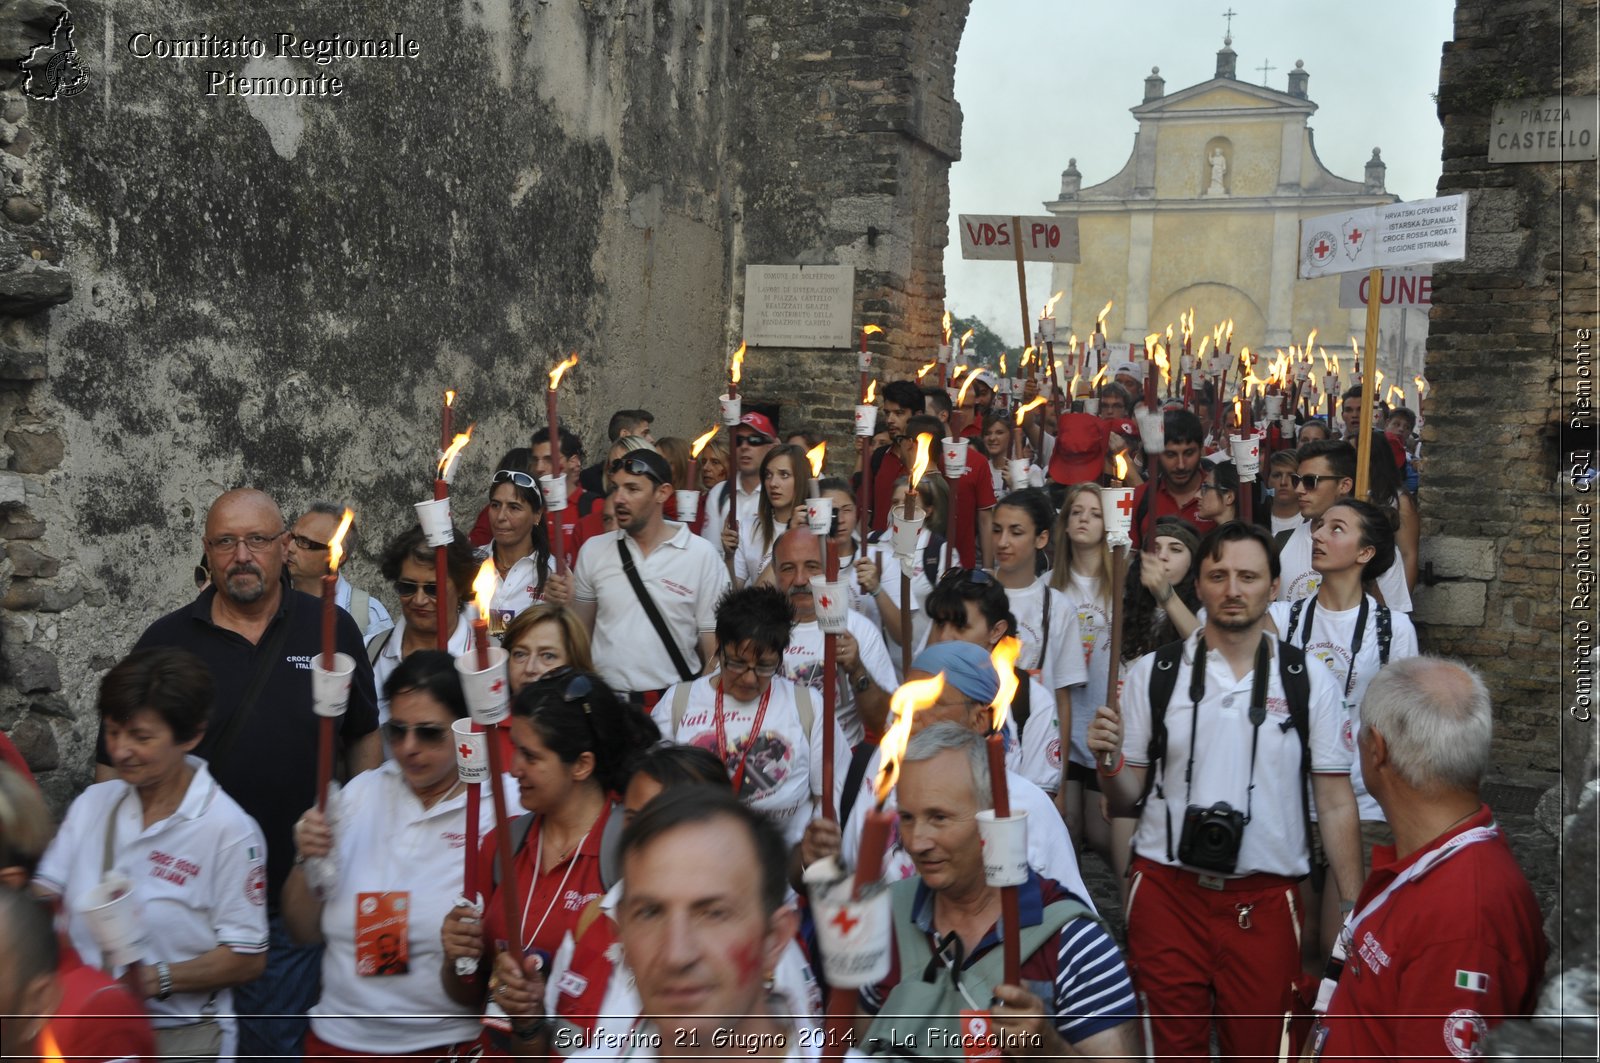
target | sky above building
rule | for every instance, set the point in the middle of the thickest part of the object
(1044, 81)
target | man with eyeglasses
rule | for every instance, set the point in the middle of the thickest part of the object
(767, 730)
(753, 436)
(258, 637)
(681, 574)
(408, 565)
(1326, 474)
(307, 554)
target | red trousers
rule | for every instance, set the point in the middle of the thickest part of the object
(1198, 954)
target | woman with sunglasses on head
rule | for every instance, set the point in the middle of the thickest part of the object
(1082, 573)
(393, 834)
(784, 476)
(767, 729)
(573, 739)
(520, 547)
(1047, 623)
(408, 565)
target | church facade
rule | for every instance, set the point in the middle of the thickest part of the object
(1206, 214)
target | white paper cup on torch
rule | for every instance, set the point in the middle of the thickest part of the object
(1091, 406)
(472, 752)
(1274, 404)
(330, 690)
(955, 458)
(113, 918)
(819, 516)
(730, 409)
(1246, 457)
(688, 505)
(1005, 847)
(853, 935)
(434, 516)
(866, 420)
(1017, 473)
(903, 532)
(1117, 504)
(832, 601)
(554, 490)
(488, 692)
(945, 353)
(1152, 431)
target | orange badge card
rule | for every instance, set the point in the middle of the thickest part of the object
(979, 1039)
(381, 943)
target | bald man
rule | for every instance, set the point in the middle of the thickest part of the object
(258, 636)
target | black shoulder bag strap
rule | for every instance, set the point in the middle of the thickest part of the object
(1163, 681)
(1297, 691)
(853, 778)
(1385, 633)
(684, 671)
(266, 655)
(1022, 704)
(930, 558)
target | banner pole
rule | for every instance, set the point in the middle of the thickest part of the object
(1369, 385)
(1022, 279)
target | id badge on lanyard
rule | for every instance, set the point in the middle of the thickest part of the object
(979, 1039)
(382, 942)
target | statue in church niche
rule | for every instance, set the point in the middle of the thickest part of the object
(1219, 167)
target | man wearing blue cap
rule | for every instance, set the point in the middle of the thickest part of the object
(970, 687)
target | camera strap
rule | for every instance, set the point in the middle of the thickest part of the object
(1258, 716)
(1355, 641)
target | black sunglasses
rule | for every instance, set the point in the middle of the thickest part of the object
(636, 466)
(406, 588)
(575, 686)
(1311, 479)
(751, 441)
(429, 734)
(307, 544)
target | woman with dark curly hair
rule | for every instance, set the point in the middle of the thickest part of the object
(1159, 603)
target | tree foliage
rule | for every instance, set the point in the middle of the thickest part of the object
(985, 347)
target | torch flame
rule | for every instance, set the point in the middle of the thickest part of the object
(1100, 318)
(920, 464)
(447, 461)
(1150, 344)
(1120, 464)
(872, 389)
(1422, 385)
(1099, 378)
(1311, 339)
(1038, 400)
(961, 396)
(967, 335)
(1072, 342)
(1169, 334)
(559, 371)
(483, 587)
(925, 370)
(738, 364)
(1002, 363)
(1205, 341)
(1050, 307)
(336, 543)
(957, 371)
(1238, 411)
(700, 441)
(904, 704)
(1355, 348)
(869, 330)
(946, 325)
(1072, 392)
(815, 456)
(1229, 330)
(1397, 395)
(49, 1049)
(1338, 370)
(1004, 657)
(450, 397)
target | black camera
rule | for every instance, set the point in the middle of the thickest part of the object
(1211, 837)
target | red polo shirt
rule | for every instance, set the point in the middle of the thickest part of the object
(99, 1019)
(1165, 505)
(549, 898)
(883, 480)
(972, 500)
(1449, 955)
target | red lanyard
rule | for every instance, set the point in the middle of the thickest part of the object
(755, 729)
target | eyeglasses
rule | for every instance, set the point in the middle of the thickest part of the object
(1213, 487)
(976, 576)
(751, 441)
(521, 479)
(636, 466)
(734, 666)
(1310, 480)
(253, 543)
(307, 544)
(429, 734)
(407, 588)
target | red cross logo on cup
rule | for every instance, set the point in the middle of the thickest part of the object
(465, 750)
(1125, 504)
(497, 686)
(844, 922)
(825, 602)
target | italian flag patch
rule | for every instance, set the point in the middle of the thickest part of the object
(1476, 981)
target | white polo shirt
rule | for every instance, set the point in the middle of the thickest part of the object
(1094, 634)
(1274, 839)
(1061, 663)
(1039, 753)
(1300, 580)
(716, 513)
(684, 575)
(389, 657)
(519, 588)
(199, 878)
(385, 842)
(1328, 640)
(782, 765)
(1050, 850)
(802, 663)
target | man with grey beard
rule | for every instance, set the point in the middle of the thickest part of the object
(865, 673)
(258, 637)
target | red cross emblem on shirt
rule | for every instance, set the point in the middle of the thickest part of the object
(465, 750)
(1125, 504)
(844, 922)
(1462, 1031)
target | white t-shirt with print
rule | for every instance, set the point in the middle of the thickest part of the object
(1061, 663)
(921, 587)
(802, 663)
(1300, 580)
(782, 766)
(1094, 633)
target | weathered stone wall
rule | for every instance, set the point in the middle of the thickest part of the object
(276, 291)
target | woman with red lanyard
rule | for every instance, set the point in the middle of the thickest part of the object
(573, 739)
(767, 730)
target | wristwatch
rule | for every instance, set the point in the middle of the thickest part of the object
(863, 683)
(163, 980)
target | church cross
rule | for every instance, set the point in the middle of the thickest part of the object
(1266, 69)
(1228, 14)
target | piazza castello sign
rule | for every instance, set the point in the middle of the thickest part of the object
(1553, 129)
